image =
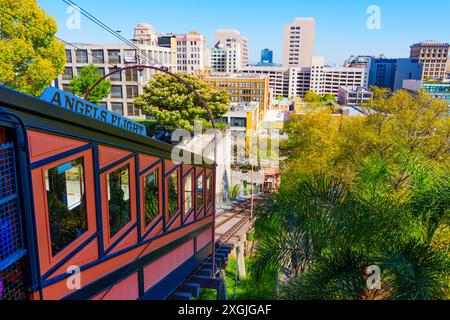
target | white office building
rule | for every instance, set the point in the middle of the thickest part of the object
(230, 38)
(126, 85)
(225, 59)
(278, 78)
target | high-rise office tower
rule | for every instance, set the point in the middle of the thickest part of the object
(299, 38)
(229, 39)
(266, 57)
(434, 57)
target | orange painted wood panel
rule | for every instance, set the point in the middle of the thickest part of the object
(60, 290)
(43, 145)
(127, 289)
(159, 269)
(108, 155)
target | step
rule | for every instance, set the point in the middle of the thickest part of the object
(206, 282)
(192, 288)
(182, 296)
(204, 272)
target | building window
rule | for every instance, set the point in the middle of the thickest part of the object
(98, 56)
(188, 193)
(116, 92)
(66, 88)
(82, 56)
(68, 56)
(117, 107)
(173, 196)
(200, 192)
(131, 75)
(114, 56)
(101, 71)
(132, 92)
(116, 76)
(118, 184)
(103, 104)
(151, 194)
(132, 111)
(66, 203)
(68, 73)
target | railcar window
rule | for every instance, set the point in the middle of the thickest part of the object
(118, 183)
(151, 192)
(209, 195)
(173, 193)
(200, 191)
(188, 198)
(66, 203)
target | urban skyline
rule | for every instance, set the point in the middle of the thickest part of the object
(263, 25)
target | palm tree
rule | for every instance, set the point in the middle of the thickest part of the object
(327, 232)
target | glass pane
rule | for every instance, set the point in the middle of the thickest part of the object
(188, 198)
(118, 184)
(151, 192)
(173, 193)
(200, 192)
(66, 203)
(209, 195)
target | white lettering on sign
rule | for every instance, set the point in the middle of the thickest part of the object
(70, 102)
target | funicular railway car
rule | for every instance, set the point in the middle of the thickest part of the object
(94, 210)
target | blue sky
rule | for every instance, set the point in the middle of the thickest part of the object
(341, 25)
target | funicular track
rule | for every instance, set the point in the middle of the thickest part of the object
(229, 224)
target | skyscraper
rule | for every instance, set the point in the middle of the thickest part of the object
(266, 57)
(229, 39)
(434, 57)
(299, 38)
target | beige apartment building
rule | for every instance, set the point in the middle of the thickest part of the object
(434, 57)
(299, 39)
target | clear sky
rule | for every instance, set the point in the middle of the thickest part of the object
(341, 25)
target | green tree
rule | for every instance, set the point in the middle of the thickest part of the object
(174, 106)
(30, 57)
(88, 77)
(364, 191)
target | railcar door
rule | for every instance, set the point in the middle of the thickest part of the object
(13, 254)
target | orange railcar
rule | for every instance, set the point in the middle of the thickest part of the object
(92, 211)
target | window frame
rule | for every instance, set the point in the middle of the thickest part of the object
(108, 241)
(171, 218)
(191, 173)
(142, 178)
(42, 209)
(200, 174)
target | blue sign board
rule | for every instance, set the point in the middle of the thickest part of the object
(70, 102)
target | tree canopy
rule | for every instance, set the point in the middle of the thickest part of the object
(30, 57)
(174, 106)
(358, 192)
(86, 79)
